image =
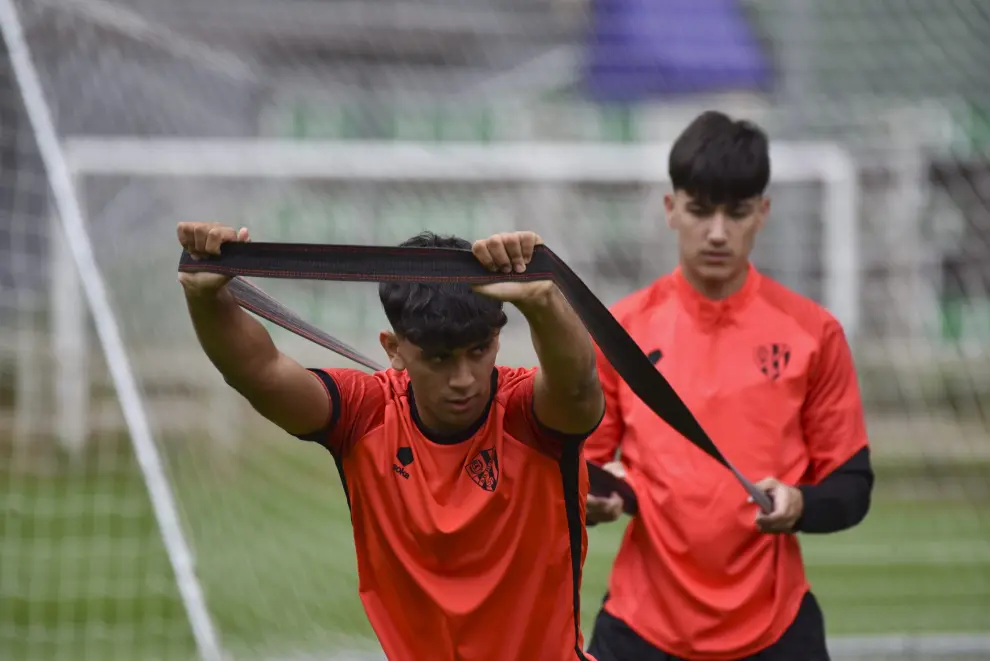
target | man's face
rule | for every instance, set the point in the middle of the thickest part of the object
(715, 241)
(452, 386)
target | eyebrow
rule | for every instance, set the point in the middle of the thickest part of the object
(436, 353)
(741, 204)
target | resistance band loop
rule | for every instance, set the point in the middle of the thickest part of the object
(447, 265)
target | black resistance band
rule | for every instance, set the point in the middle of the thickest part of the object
(303, 261)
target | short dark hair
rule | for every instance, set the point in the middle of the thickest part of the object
(440, 316)
(719, 160)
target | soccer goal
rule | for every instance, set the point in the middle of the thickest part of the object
(149, 514)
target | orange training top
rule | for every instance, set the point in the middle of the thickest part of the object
(770, 377)
(468, 548)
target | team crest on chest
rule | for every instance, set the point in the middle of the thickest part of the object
(483, 469)
(772, 359)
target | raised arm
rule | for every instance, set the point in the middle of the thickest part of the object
(276, 386)
(567, 396)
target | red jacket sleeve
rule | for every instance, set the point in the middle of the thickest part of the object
(832, 418)
(602, 445)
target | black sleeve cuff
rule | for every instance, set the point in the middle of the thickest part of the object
(839, 501)
(322, 436)
(564, 437)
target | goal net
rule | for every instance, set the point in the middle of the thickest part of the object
(148, 513)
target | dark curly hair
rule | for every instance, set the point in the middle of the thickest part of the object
(440, 316)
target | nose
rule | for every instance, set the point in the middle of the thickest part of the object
(461, 376)
(717, 234)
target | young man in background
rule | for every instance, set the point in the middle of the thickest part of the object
(464, 479)
(701, 574)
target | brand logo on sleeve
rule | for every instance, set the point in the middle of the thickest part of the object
(772, 359)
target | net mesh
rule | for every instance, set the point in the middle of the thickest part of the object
(900, 87)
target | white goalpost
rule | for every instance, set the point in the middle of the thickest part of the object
(644, 163)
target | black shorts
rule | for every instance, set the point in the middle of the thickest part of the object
(804, 640)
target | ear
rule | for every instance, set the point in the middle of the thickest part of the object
(764, 211)
(390, 343)
(670, 205)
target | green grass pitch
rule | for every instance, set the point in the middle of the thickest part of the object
(84, 574)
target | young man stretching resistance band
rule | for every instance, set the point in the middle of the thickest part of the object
(464, 478)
